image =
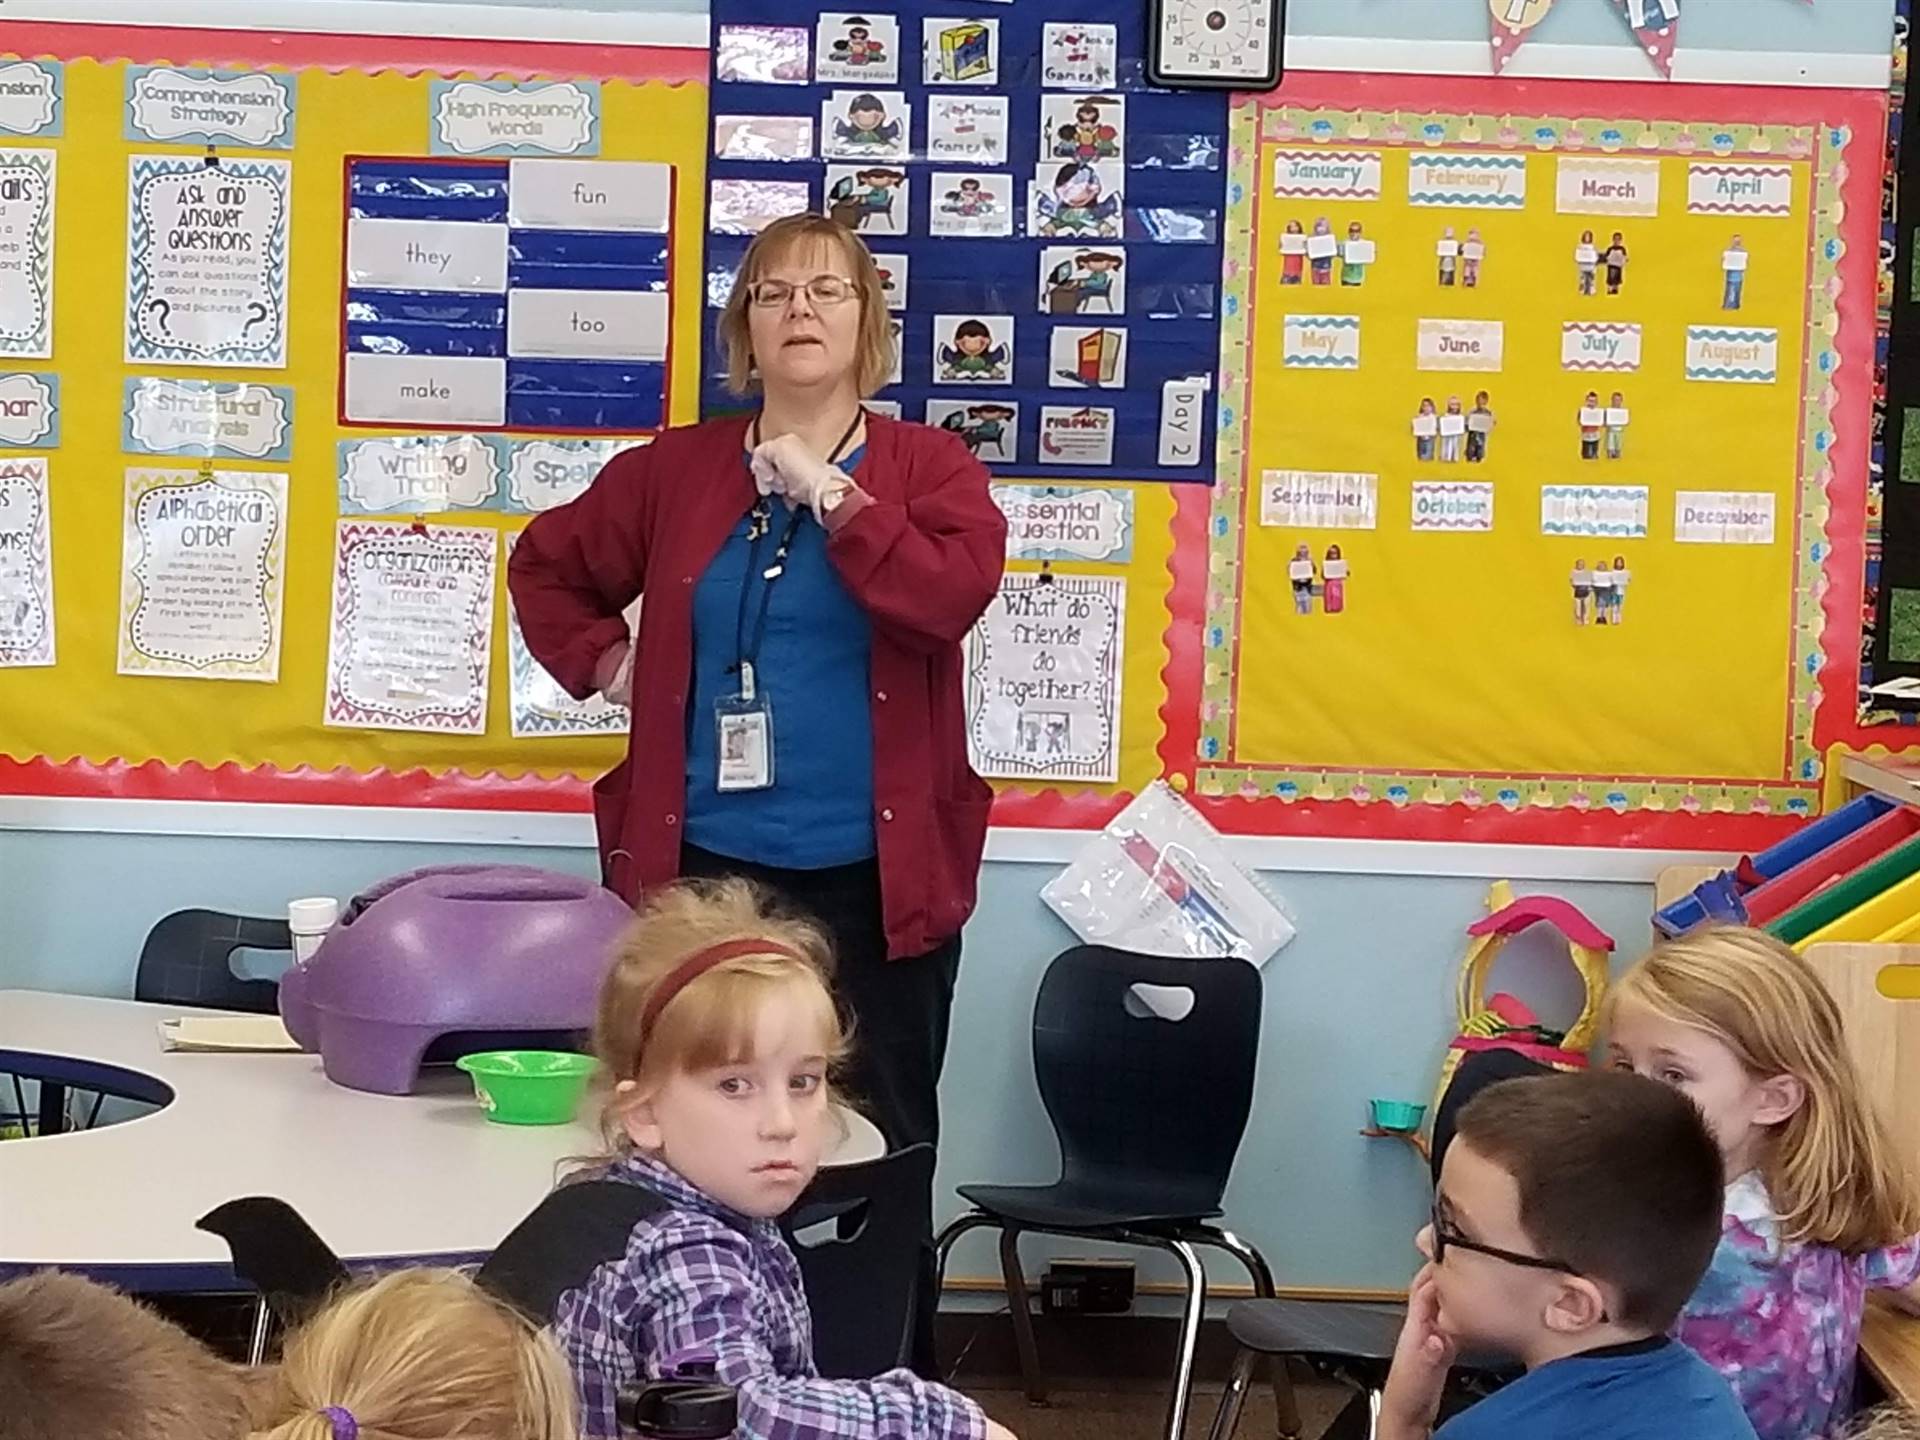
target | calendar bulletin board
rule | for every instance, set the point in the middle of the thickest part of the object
(1695, 405)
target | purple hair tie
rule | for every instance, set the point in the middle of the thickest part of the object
(345, 1427)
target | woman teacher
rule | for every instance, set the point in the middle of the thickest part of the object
(809, 574)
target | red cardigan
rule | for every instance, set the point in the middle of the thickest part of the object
(923, 559)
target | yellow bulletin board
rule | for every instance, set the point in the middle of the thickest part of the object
(79, 727)
(1459, 662)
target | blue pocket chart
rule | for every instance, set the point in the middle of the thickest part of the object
(1047, 224)
(525, 294)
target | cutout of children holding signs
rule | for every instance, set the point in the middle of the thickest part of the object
(1355, 256)
(1586, 261)
(1617, 418)
(1593, 420)
(1472, 251)
(1293, 253)
(1582, 591)
(1616, 258)
(1733, 266)
(1426, 429)
(1602, 593)
(1320, 251)
(1300, 574)
(1617, 597)
(1334, 590)
(1449, 252)
(1453, 428)
(1480, 424)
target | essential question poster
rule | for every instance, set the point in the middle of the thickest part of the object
(412, 617)
(203, 573)
(26, 565)
(207, 261)
(1043, 679)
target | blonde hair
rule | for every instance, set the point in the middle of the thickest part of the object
(784, 237)
(1831, 1169)
(78, 1359)
(711, 1020)
(1889, 1422)
(421, 1355)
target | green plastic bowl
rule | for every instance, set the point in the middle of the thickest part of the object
(529, 1087)
(1399, 1117)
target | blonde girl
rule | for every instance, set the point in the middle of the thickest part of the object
(717, 1033)
(419, 1355)
(1819, 1206)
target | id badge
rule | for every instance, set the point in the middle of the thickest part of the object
(746, 743)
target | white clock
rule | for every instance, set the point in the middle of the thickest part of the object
(1230, 44)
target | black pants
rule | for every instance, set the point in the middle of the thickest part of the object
(900, 1010)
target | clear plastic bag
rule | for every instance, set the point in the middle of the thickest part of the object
(1159, 880)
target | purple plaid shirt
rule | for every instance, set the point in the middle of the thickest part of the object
(701, 1284)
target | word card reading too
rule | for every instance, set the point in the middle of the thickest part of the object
(1452, 505)
(1325, 342)
(629, 195)
(426, 389)
(1723, 517)
(427, 255)
(1326, 174)
(1459, 345)
(1714, 189)
(1599, 346)
(1750, 357)
(587, 324)
(1319, 500)
(1607, 187)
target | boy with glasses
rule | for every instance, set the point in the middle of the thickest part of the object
(1574, 1216)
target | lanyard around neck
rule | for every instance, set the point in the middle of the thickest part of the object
(758, 527)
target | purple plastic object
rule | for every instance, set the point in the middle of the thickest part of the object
(445, 949)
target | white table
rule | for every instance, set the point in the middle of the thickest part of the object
(382, 1178)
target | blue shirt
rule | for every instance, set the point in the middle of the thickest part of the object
(1656, 1389)
(812, 672)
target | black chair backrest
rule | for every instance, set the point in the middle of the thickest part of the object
(860, 1232)
(277, 1252)
(1138, 1100)
(572, 1231)
(188, 960)
(575, 1230)
(1477, 1070)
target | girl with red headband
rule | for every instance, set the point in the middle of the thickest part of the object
(718, 1034)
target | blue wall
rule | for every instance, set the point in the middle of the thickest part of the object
(1360, 1005)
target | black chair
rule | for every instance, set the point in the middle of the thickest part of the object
(1145, 1065)
(1353, 1343)
(858, 1232)
(574, 1229)
(188, 960)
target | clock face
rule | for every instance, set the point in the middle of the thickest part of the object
(1216, 38)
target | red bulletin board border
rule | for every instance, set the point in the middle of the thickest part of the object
(1864, 114)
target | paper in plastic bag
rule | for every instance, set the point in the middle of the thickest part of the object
(1159, 881)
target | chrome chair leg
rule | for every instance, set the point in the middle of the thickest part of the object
(1234, 1396)
(262, 1319)
(1195, 1309)
(1286, 1403)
